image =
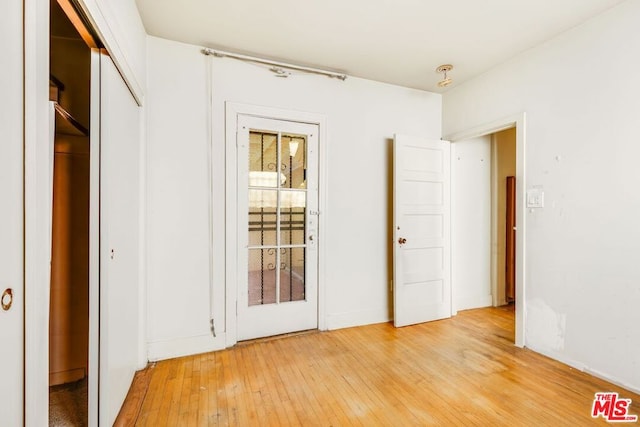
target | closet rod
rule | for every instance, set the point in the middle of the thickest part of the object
(69, 118)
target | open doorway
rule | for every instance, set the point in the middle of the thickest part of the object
(503, 218)
(488, 230)
(483, 206)
(69, 95)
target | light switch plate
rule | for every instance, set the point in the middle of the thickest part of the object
(535, 198)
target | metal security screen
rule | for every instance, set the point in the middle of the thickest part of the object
(277, 217)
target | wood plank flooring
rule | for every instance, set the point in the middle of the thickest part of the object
(460, 371)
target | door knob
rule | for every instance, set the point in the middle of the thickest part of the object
(402, 240)
(7, 299)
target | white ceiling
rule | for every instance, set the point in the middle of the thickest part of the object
(399, 42)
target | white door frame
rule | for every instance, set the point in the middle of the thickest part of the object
(519, 122)
(94, 242)
(234, 109)
(37, 216)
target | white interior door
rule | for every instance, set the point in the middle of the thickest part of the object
(116, 137)
(11, 217)
(277, 227)
(422, 238)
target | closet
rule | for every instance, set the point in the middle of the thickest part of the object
(69, 304)
(69, 96)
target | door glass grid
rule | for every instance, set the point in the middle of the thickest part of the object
(277, 217)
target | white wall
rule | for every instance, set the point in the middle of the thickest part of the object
(580, 93)
(471, 223)
(362, 117)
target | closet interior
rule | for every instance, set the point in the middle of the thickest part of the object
(69, 95)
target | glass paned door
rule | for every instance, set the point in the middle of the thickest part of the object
(277, 206)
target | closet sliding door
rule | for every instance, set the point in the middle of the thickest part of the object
(11, 216)
(115, 184)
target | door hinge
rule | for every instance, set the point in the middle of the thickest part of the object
(213, 328)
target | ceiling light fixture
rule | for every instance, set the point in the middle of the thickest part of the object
(444, 69)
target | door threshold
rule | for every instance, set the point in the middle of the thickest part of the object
(277, 337)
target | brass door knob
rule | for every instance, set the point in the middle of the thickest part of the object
(7, 299)
(402, 240)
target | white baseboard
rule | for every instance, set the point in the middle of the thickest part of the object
(356, 318)
(467, 303)
(582, 367)
(613, 380)
(169, 349)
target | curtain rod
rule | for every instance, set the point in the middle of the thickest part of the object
(277, 66)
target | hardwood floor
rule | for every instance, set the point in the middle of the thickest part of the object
(460, 371)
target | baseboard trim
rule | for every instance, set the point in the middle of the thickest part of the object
(582, 367)
(356, 318)
(69, 376)
(469, 303)
(613, 380)
(169, 349)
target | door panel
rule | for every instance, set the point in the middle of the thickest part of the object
(119, 239)
(277, 227)
(421, 284)
(11, 216)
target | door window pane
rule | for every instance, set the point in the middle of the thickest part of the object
(262, 227)
(262, 217)
(262, 276)
(293, 161)
(292, 217)
(292, 284)
(263, 160)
